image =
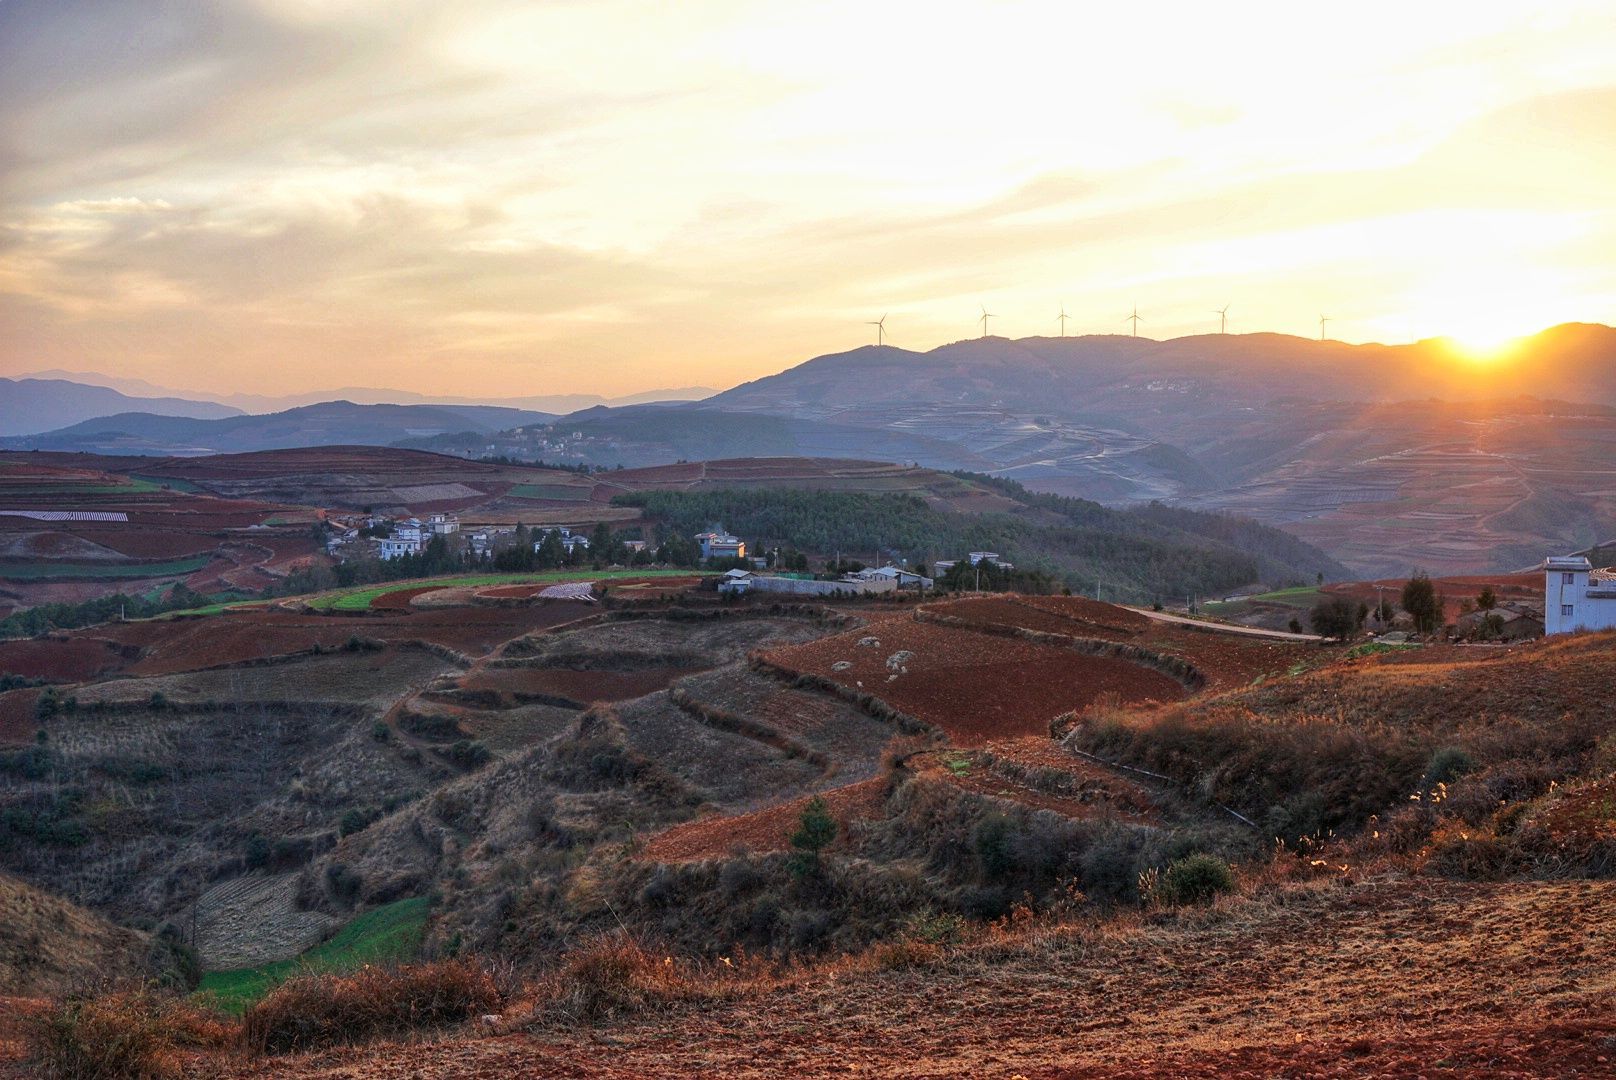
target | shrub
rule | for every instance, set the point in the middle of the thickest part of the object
(130, 1035)
(467, 754)
(311, 1011)
(258, 851)
(991, 842)
(380, 731)
(353, 821)
(1447, 765)
(1196, 880)
(613, 977)
(342, 882)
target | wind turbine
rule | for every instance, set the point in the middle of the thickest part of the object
(1134, 318)
(986, 315)
(1223, 318)
(1322, 320)
(880, 330)
(1063, 318)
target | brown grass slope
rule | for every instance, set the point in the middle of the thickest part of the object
(50, 946)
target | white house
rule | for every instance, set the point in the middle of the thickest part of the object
(571, 541)
(442, 524)
(405, 540)
(718, 544)
(1576, 596)
(905, 579)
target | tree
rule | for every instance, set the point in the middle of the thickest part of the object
(602, 545)
(1336, 617)
(815, 830)
(1486, 600)
(1421, 601)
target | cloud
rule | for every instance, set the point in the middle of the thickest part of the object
(490, 196)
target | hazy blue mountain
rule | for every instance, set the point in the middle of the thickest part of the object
(331, 422)
(372, 395)
(28, 406)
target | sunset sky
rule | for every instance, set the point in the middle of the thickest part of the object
(502, 199)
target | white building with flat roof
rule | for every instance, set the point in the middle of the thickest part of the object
(1576, 596)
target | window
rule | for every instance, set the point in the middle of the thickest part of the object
(1565, 611)
(1568, 579)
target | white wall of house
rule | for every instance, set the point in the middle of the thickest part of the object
(1573, 600)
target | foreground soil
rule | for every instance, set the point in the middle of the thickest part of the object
(1386, 978)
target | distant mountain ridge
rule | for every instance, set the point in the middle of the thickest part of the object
(370, 395)
(327, 423)
(30, 405)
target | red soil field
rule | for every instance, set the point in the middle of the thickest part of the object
(1089, 611)
(1003, 611)
(1227, 660)
(17, 722)
(173, 645)
(974, 686)
(145, 543)
(63, 659)
(583, 687)
(399, 599)
(765, 830)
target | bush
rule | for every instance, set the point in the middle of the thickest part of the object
(1447, 765)
(991, 842)
(258, 851)
(1196, 880)
(613, 977)
(131, 1035)
(467, 754)
(312, 1011)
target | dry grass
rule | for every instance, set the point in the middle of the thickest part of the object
(618, 976)
(125, 1035)
(314, 1011)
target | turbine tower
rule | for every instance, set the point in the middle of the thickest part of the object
(1223, 318)
(986, 315)
(1322, 320)
(1134, 318)
(1063, 318)
(880, 330)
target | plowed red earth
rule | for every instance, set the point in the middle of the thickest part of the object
(1389, 979)
(17, 721)
(764, 830)
(1226, 660)
(974, 686)
(65, 659)
(580, 686)
(998, 611)
(186, 644)
(399, 599)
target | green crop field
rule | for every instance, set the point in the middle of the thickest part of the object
(391, 934)
(360, 599)
(1302, 598)
(36, 571)
(553, 492)
(170, 483)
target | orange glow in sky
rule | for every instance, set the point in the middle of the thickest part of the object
(498, 198)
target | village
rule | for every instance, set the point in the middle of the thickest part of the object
(1576, 595)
